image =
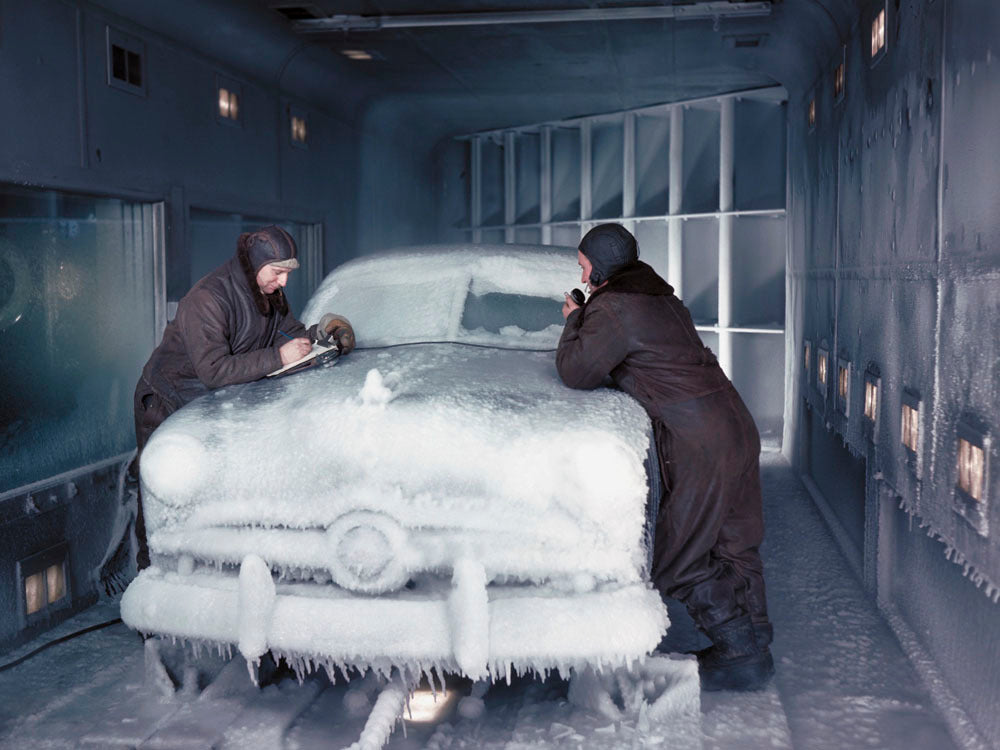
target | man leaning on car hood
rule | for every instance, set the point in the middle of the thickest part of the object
(709, 525)
(234, 326)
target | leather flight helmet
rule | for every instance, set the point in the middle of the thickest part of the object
(609, 248)
(272, 245)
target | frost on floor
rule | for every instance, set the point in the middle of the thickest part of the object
(842, 682)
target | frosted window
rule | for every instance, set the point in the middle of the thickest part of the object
(76, 326)
(213, 237)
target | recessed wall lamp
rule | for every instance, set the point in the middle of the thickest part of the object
(840, 77)
(812, 113)
(843, 385)
(910, 421)
(873, 384)
(229, 104)
(228, 95)
(44, 583)
(822, 363)
(357, 54)
(973, 450)
(878, 34)
(298, 125)
(807, 356)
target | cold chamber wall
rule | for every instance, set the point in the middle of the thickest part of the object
(119, 160)
(894, 269)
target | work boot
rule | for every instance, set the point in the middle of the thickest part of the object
(735, 661)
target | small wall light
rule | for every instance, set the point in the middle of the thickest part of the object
(973, 450)
(44, 586)
(298, 129)
(873, 384)
(878, 34)
(807, 356)
(812, 113)
(910, 425)
(822, 363)
(229, 104)
(840, 77)
(227, 99)
(843, 385)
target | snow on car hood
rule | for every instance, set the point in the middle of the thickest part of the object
(437, 435)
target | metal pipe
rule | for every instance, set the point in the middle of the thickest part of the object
(713, 9)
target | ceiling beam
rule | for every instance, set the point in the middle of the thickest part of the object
(709, 9)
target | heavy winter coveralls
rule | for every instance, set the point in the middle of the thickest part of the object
(709, 525)
(225, 332)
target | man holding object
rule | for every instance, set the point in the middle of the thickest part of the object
(234, 326)
(709, 526)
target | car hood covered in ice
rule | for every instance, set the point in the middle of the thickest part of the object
(476, 444)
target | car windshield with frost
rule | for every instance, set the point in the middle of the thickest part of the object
(436, 498)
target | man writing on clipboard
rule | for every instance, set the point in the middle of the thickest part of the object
(234, 326)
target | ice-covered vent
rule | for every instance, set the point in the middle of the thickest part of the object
(502, 295)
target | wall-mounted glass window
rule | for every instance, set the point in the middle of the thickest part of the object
(229, 95)
(973, 450)
(77, 322)
(843, 386)
(125, 59)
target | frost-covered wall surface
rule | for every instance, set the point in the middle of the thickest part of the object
(87, 279)
(894, 271)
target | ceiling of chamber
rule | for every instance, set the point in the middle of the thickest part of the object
(513, 65)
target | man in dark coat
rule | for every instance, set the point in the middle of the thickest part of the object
(234, 326)
(709, 526)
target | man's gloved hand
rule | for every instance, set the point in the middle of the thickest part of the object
(334, 330)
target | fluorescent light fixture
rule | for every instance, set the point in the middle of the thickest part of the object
(356, 54)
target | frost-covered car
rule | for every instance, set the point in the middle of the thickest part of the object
(437, 498)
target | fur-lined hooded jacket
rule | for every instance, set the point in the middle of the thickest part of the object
(225, 332)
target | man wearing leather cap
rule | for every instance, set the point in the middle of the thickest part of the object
(709, 525)
(233, 326)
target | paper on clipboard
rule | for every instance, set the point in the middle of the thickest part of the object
(317, 350)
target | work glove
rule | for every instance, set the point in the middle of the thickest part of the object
(334, 330)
